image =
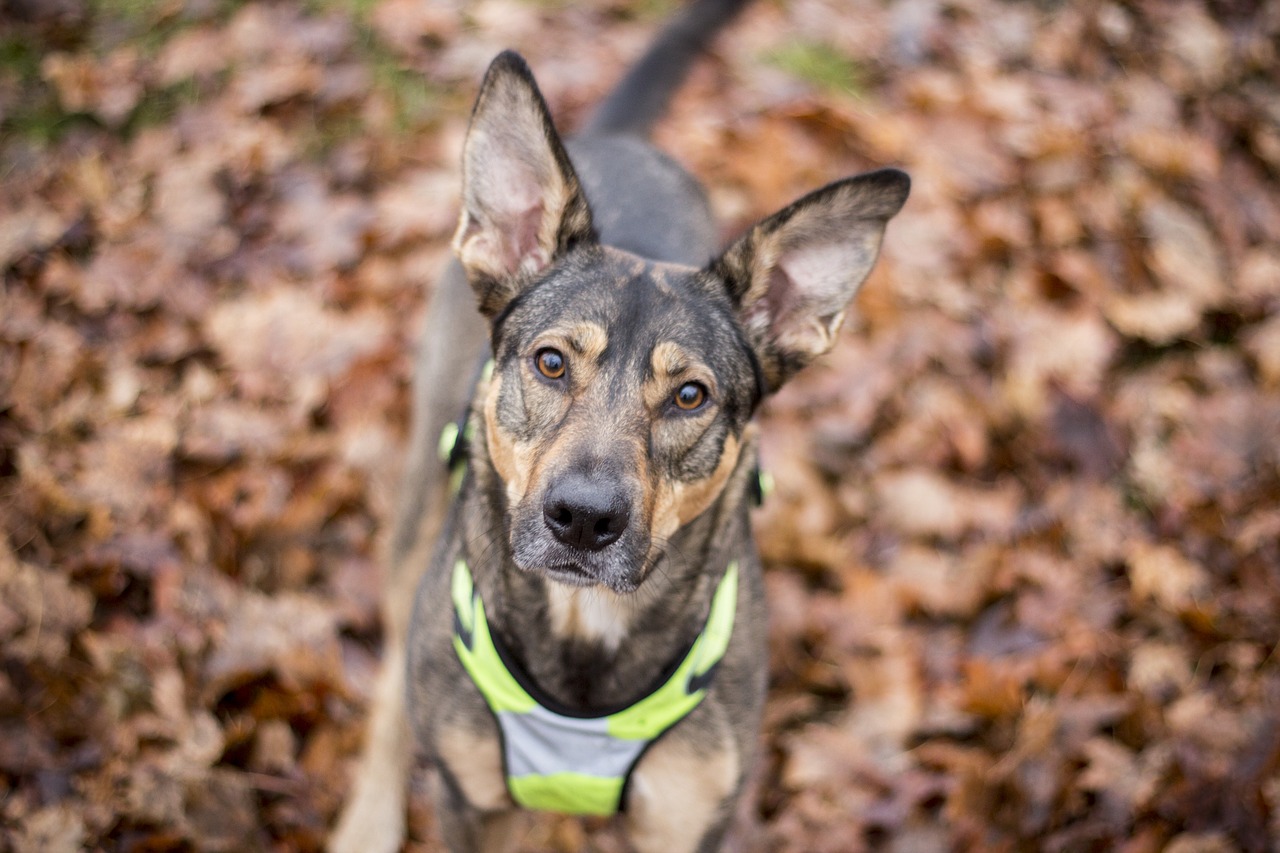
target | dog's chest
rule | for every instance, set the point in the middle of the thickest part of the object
(589, 616)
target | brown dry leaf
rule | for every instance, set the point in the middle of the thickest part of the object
(957, 149)
(405, 24)
(1226, 448)
(1201, 842)
(1186, 260)
(109, 88)
(939, 584)
(196, 52)
(1195, 46)
(420, 206)
(1057, 221)
(1112, 772)
(115, 198)
(52, 829)
(152, 794)
(1258, 278)
(1159, 670)
(275, 748)
(888, 697)
(1002, 224)
(283, 78)
(30, 226)
(1263, 343)
(926, 251)
(286, 343)
(126, 467)
(226, 430)
(1161, 573)
(291, 636)
(330, 230)
(820, 755)
(249, 150)
(1200, 718)
(1052, 348)
(46, 390)
(40, 610)
(138, 273)
(1184, 254)
(221, 812)
(185, 199)
(991, 689)
(920, 502)
(1175, 155)
(941, 425)
(257, 31)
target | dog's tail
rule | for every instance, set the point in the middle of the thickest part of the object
(642, 97)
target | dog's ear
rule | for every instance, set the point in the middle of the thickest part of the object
(793, 275)
(522, 205)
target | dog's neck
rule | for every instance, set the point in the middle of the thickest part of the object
(590, 648)
(593, 615)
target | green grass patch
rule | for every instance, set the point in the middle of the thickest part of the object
(819, 64)
(34, 114)
(414, 101)
(20, 58)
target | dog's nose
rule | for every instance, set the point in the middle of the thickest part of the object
(584, 513)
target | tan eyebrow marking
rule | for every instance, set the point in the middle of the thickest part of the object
(587, 339)
(671, 363)
(669, 359)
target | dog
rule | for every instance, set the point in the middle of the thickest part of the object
(587, 631)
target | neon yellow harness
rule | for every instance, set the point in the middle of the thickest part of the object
(580, 764)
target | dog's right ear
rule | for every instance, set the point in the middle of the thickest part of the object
(522, 204)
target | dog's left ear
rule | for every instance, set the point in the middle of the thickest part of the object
(522, 204)
(794, 274)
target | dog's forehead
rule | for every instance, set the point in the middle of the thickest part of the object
(640, 306)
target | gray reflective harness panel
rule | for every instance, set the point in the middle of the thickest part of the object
(574, 764)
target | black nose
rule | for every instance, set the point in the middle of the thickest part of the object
(585, 513)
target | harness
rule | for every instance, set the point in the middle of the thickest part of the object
(555, 759)
(559, 761)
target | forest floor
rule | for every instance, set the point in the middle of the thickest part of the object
(1023, 553)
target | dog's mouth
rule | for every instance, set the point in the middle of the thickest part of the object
(571, 574)
(575, 574)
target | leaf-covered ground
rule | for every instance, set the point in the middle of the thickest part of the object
(1024, 547)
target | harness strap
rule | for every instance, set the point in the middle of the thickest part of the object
(580, 764)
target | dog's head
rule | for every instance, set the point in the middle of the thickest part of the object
(622, 386)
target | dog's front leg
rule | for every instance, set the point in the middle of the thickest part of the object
(474, 809)
(374, 818)
(465, 828)
(682, 793)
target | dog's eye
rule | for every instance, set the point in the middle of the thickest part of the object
(690, 396)
(550, 363)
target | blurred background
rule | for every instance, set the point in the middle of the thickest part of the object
(1024, 549)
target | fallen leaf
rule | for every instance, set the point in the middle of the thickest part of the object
(1161, 573)
(52, 829)
(291, 636)
(287, 341)
(109, 88)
